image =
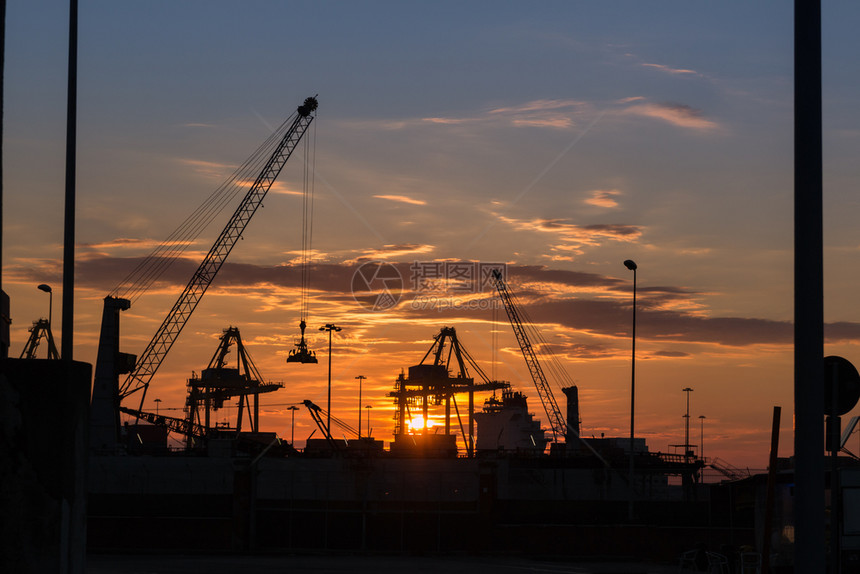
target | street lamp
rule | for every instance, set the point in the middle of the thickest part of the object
(631, 265)
(687, 450)
(702, 445)
(47, 289)
(293, 409)
(367, 408)
(360, 379)
(329, 327)
(156, 401)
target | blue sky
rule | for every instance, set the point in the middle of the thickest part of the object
(558, 136)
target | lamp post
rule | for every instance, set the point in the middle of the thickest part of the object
(687, 450)
(702, 444)
(156, 401)
(360, 379)
(329, 327)
(293, 409)
(367, 408)
(631, 265)
(47, 289)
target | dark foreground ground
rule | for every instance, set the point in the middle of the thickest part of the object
(178, 564)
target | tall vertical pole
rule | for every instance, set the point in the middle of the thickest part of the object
(687, 449)
(769, 492)
(328, 403)
(808, 291)
(329, 327)
(631, 265)
(293, 410)
(4, 310)
(360, 380)
(67, 343)
(702, 446)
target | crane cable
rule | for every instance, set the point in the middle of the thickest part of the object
(307, 220)
(152, 267)
(543, 349)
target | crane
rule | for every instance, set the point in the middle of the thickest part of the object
(219, 382)
(320, 415)
(162, 341)
(433, 382)
(108, 394)
(556, 419)
(40, 329)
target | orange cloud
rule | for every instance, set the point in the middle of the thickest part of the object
(582, 234)
(124, 243)
(680, 115)
(207, 168)
(402, 199)
(603, 198)
(280, 188)
(448, 121)
(557, 114)
(559, 122)
(539, 106)
(669, 70)
(389, 251)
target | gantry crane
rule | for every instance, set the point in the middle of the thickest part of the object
(40, 328)
(434, 382)
(219, 382)
(556, 419)
(107, 393)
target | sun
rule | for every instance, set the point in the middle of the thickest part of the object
(416, 423)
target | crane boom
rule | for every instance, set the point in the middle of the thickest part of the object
(167, 334)
(553, 413)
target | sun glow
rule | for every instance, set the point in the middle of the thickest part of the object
(416, 423)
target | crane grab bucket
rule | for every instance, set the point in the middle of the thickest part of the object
(301, 354)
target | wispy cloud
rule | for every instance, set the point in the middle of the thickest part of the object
(670, 70)
(581, 234)
(680, 115)
(556, 114)
(603, 198)
(280, 188)
(402, 199)
(123, 243)
(207, 168)
(394, 251)
(538, 106)
(447, 121)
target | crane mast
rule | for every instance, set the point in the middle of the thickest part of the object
(553, 413)
(167, 333)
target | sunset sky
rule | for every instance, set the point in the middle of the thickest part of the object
(559, 138)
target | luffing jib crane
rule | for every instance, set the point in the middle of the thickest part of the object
(106, 395)
(556, 419)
